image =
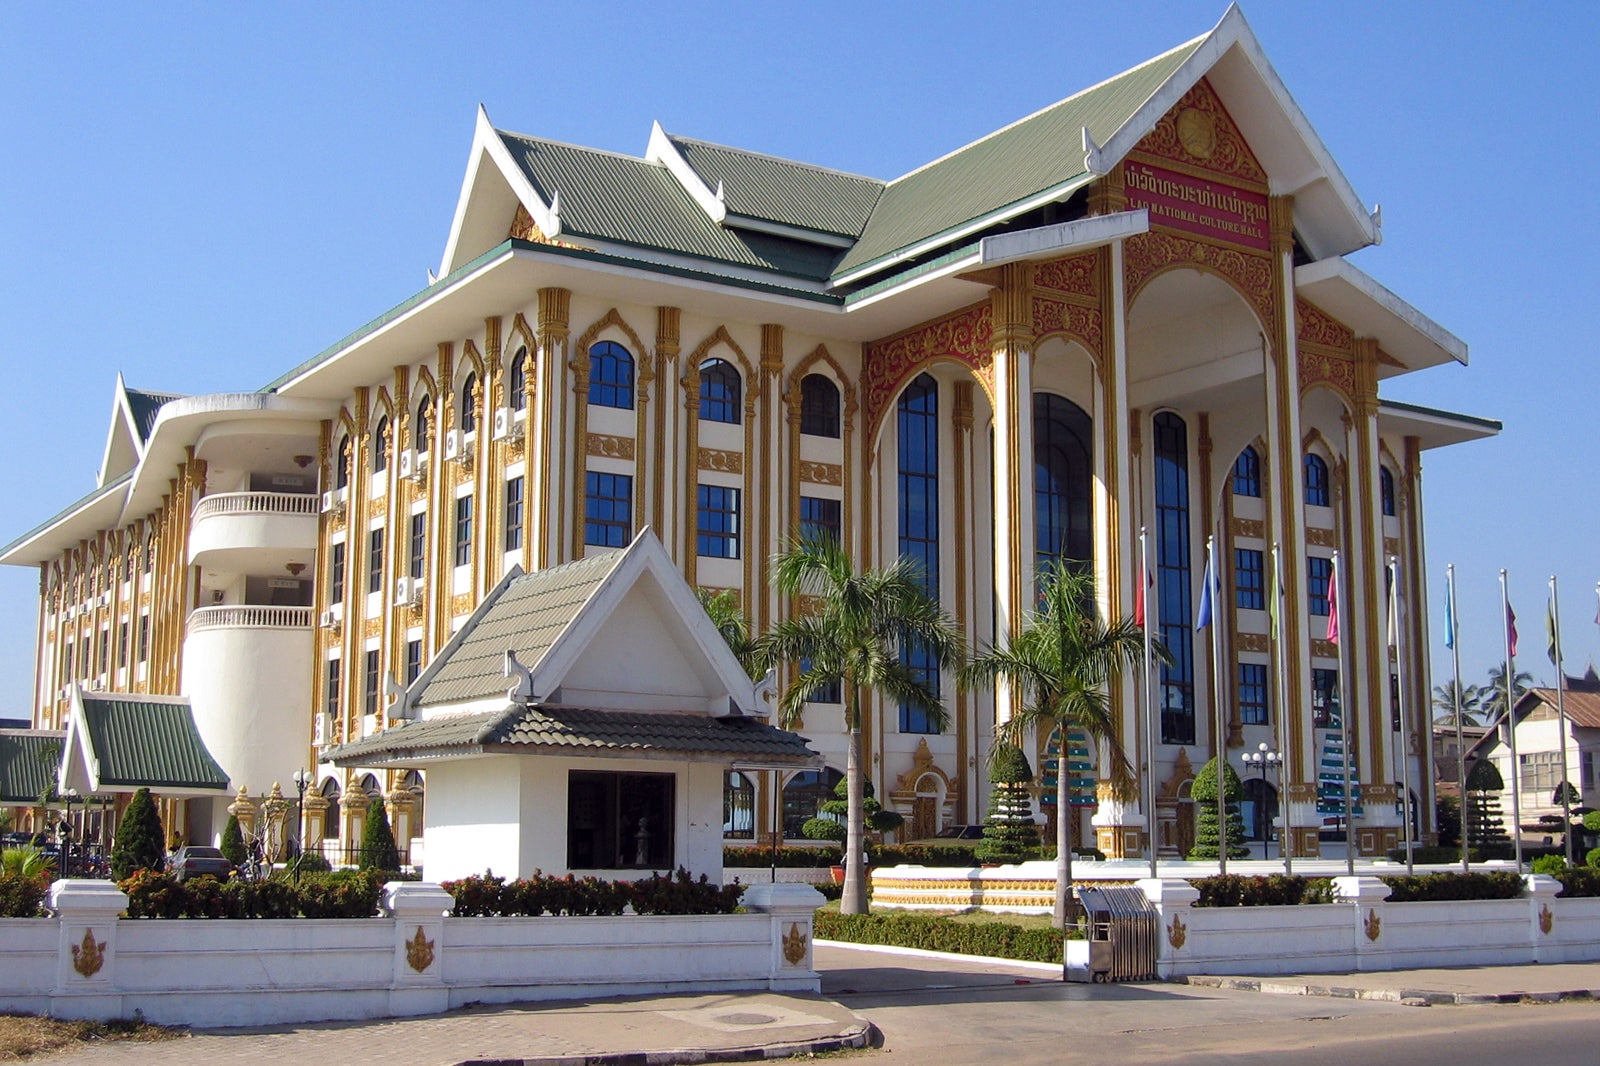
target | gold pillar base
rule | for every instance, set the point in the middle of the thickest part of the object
(1120, 841)
(1304, 843)
(1377, 840)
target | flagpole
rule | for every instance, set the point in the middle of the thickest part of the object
(1220, 742)
(1282, 702)
(1453, 644)
(1405, 733)
(1149, 706)
(1511, 726)
(1344, 720)
(1561, 716)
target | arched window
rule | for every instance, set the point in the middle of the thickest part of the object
(422, 433)
(918, 439)
(330, 815)
(341, 465)
(720, 392)
(469, 404)
(380, 445)
(519, 380)
(611, 376)
(1386, 489)
(738, 807)
(803, 797)
(1247, 473)
(414, 784)
(819, 406)
(1316, 481)
(1173, 577)
(1062, 469)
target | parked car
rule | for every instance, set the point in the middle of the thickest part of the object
(195, 860)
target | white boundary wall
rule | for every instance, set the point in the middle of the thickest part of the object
(87, 962)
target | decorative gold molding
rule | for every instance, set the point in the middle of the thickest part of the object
(1321, 538)
(1373, 925)
(1391, 546)
(1199, 136)
(1177, 933)
(419, 952)
(821, 473)
(1547, 921)
(719, 461)
(1324, 649)
(609, 447)
(794, 945)
(1256, 642)
(461, 604)
(1248, 527)
(89, 955)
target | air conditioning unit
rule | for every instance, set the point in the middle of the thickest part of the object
(105, 598)
(408, 463)
(333, 500)
(506, 426)
(72, 611)
(324, 729)
(333, 616)
(454, 447)
(65, 693)
(407, 591)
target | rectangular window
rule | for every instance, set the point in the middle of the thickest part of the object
(1249, 579)
(1319, 572)
(819, 518)
(1540, 773)
(122, 644)
(144, 637)
(514, 514)
(608, 509)
(1325, 699)
(374, 684)
(104, 657)
(718, 522)
(330, 694)
(1587, 769)
(463, 530)
(619, 821)
(375, 561)
(1253, 694)
(832, 692)
(336, 573)
(413, 660)
(419, 544)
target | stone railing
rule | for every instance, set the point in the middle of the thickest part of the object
(235, 503)
(249, 616)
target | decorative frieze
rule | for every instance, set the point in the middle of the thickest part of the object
(966, 336)
(1248, 527)
(721, 462)
(1321, 538)
(1253, 642)
(608, 447)
(821, 473)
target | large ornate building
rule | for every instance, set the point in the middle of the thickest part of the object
(1131, 310)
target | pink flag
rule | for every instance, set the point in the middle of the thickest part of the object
(1511, 631)
(1333, 603)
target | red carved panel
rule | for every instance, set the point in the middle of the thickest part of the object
(1147, 254)
(1313, 325)
(888, 364)
(1077, 275)
(1075, 320)
(1200, 133)
(1321, 368)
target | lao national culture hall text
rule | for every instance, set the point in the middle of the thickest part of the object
(1136, 308)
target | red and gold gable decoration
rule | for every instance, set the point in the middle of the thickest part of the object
(887, 364)
(1066, 300)
(1195, 174)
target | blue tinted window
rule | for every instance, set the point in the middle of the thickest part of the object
(717, 529)
(1253, 694)
(463, 530)
(1316, 481)
(819, 406)
(1386, 489)
(829, 692)
(608, 509)
(918, 437)
(469, 404)
(1247, 473)
(1173, 577)
(518, 385)
(819, 518)
(1249, 579)
(720, 392)
(610, 376)
(1318, 572)
(1062, 471)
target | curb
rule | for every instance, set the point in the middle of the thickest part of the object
(863, 1034)
(1405, 996)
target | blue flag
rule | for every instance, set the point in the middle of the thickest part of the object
(1208, 596)
(1450, 619)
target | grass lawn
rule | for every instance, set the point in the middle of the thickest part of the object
(23, 1036)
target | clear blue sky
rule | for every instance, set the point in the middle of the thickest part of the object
(202, 197)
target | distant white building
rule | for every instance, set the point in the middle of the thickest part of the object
(1540, 766)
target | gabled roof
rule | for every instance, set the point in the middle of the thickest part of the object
(581, 731)
(1583, 707)
(28, 762)
(119, 742)
(133, 418)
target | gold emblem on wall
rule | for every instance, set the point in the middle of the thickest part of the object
(1197, 132)
(419, 952)
(1177, 932)
(1547, 921)
(89, 956)
(1373, 924)
(794, 945)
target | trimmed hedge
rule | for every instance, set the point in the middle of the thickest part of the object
(22, 897)
(347, 894)
(1442, 887)
(1578, 881)
(1431, 855)
(999, 940)
(488, 896)
(1273, 890)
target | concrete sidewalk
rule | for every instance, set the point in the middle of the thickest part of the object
(639, 1030)
(1549, 982)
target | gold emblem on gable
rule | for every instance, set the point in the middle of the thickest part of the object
(1197, 132)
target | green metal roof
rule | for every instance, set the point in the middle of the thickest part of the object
(29, 759)
(1040, 152)
(590, 731)
(145, 407)
(779, 190)
(1415, 408)
(618, 198)
(526, 615)
(138, 741)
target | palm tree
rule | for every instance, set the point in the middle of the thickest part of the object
(1444, 703)
(1059, 666)
(1494, 693)
(729, 618)
(855, 637)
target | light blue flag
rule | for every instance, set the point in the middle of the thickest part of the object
(1208, 596)
(1450, 619)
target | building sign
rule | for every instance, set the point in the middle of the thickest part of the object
(1194, 205)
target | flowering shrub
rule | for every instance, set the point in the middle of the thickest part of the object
(1274, 890)
(22, 896)
(1442, 887)
(158, 895)
(488, 896)
(680, 894)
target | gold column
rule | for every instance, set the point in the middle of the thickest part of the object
(691, 465)
(554, 308)
(442, 475)
(763, 543)
(667, 332)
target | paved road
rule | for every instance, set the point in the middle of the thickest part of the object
(933, 1011)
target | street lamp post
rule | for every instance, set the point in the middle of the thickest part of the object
(1263, 759)
(302, 781)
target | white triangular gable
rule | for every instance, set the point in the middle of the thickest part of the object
(491, 190)
(124, 447)
(79, 769)
(644, 642)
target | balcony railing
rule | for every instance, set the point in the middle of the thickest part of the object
(224, 503)
(249, 616)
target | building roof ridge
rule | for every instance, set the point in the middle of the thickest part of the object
(800, 164)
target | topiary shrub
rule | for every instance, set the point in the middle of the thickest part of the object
(1593, 858)
(787, 856)
(1206, 836)
(830, 823)
(232, 845)
(341, 894)
(378, 850)
(1549, 864)
(1009, 830)
(139, 844)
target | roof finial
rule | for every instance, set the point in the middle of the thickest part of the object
(522, 691)
(1091, 154)
(720, 197)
